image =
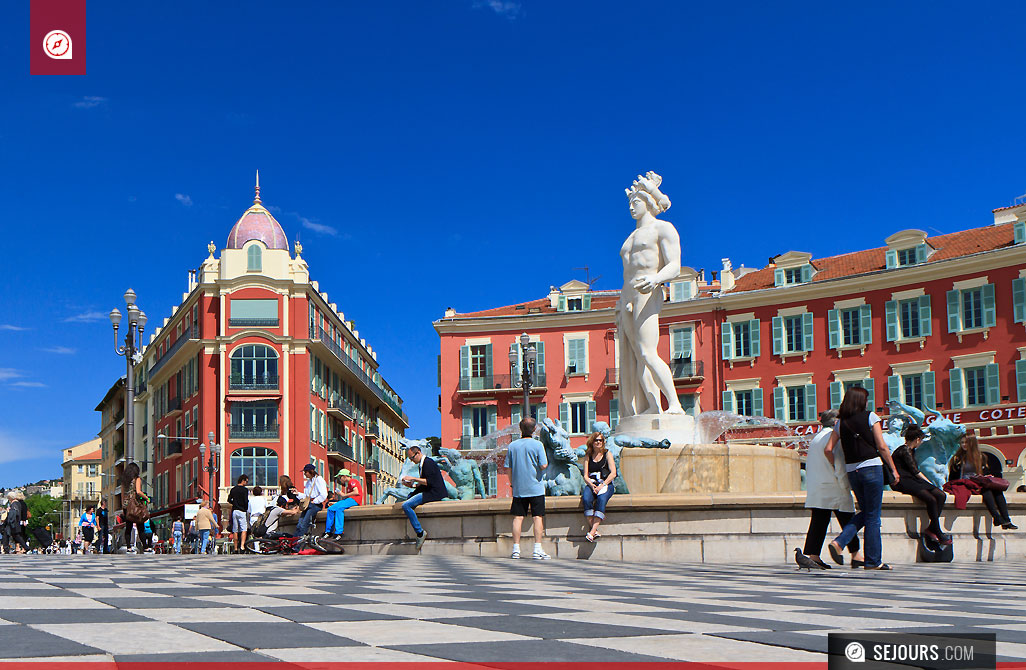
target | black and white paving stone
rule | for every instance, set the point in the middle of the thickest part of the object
(432, 608)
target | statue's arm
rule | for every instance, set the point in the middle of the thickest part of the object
(669, 245)
(646, 442)
(478, 480)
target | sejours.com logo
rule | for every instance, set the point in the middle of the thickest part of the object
(855, 652)
(57, 45)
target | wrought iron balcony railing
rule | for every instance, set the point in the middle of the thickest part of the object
(247, 322)
(499, 382)
(173, 448)
(342, 448)
(341, 406)
(174, 404)
(191, 333)
(372, 465)
(253, 382)
(612, 376)
(254, 432)
(687, 369)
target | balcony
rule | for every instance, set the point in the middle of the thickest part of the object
(340, 447)
(174, 405)
(172, 449)
(687, 369)
(246, 322)
(490, 383)
(253, 383)
(469, 443)
(372, 465)
(253, 432)
(318, 335)
(612, 376)
(140, 388)
(337, 405)
(372, 430)
(189, 334)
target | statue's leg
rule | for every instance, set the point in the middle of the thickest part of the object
(627, 367)
(648, 350)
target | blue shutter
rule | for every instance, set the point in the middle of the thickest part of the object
(591, 416)
(836, 392)
(922, 251)
(809, 342)
(1020, 380)
(678, 348)
(614, 412)
(834, 328)
(870, 387)
(539, 365)
(468, 421)
(757, 402)
(894, 388)
(728, 401)
(488, 363)
(891, 318)
(925, 320)
(929, 390)
(778, 277)
(586, 302)
(866, 322)
(543, 412)
(753, 329)
(493, 419)
(892, 258)
(806, 273)
(1019, 232)
(955, 382)
(1019, 300)
(687, 343)
(954, 318)
(993, 384)
(989, 313)
(778, 335)
(810, 402)
(780, 403)
(561, 305)
(675, 291)
(464, 366)
(727, 342)
(564, 415)
(515, 415)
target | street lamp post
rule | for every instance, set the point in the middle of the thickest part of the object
(133, 354)
(210, 464)
(527, 355)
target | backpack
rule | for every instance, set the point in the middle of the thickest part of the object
(259, 529)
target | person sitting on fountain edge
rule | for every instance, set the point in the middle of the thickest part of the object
(914, 483)
(526, 461)
(430, 487)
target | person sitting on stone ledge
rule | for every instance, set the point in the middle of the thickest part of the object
(914, 483)
(969, 464)
(827, 493)
(599, 473)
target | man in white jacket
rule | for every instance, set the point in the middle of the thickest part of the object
(827, 492)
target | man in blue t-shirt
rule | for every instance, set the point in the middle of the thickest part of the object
(526, 462)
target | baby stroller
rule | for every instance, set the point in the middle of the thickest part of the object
(43, 537)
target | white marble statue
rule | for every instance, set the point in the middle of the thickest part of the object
(651, 256)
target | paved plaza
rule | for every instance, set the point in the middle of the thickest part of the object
(431, 608)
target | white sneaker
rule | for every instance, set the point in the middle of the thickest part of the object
(540, 555)
(516, 554)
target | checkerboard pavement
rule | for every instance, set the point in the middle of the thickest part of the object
(480, 610)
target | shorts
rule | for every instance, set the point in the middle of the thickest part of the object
(240, 521)
(520, 506)
(87, 533)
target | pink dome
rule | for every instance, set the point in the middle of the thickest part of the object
(257, 224)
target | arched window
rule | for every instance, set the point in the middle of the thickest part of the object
(254, 367)
(253, 255)
(259, 463)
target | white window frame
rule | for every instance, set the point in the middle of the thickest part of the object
(566, 353)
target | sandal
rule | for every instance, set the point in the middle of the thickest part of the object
(882, 566)
(835, 553)
(590, 537)
(855, 563)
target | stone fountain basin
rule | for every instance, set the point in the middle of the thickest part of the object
(711, 468)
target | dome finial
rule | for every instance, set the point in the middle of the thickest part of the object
(256, 200)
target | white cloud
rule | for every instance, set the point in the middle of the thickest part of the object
(317, 227)
(505, 8)
(7, 326)
(59, 350)
(184, 199)
(89, 101)
(23, 448)
(33, 385)
(86, 317)
(8, 373)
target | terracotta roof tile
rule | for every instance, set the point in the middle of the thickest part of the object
(91, 456)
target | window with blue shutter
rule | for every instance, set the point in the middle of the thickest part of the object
(866, 322)
(564, 415)
(1019, 300)
(971, 308)
(993, 396)
(922, 253)
(810, 403)
(744, 403)
(954, 318)
(806, 273)
(576, 360)
(891, 256)
(753, 338)
(561, 304)
(254, 258)
(808, 342)
(614, 412)
(681, 344)
(925, 327)
(778, 277)
(894, 388)
(516, 414)
(728, 400)
(836, 394)
(1020, 380)
(780, 403)
(688, 403)
(834, 328)
(778, 335)
(989, 311)
(891, 319)
(1019, 232)
(757, 403)
(727, 342)
(592, 416)
(929, 390)
(955, 388)
(586, 300)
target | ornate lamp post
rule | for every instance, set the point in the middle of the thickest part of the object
(133, 355)
(210, 464)
(527, 356)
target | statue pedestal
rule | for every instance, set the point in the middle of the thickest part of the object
(677, 428)
(711, 468)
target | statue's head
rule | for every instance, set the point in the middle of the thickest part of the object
(601, 427)
(644, 196)
(452, 454)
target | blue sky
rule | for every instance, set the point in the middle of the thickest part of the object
(469, 154)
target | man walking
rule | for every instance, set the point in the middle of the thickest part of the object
(102, 527)
(430, 487)
(238, 498)
(526, 461)
(316, 491)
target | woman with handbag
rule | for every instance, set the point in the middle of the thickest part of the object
(969, 463)
(866, 458)
(135, 503)
(914, 483)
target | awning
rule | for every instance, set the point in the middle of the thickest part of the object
(251, 398)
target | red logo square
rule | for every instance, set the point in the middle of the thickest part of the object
(57, 37)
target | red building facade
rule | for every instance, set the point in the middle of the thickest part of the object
(929, 321)
(257, 355)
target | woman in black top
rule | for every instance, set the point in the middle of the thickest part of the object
(599, 473)
(914, 483)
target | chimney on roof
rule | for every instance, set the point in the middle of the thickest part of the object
(727, 275)
(701, 275)
(449, 312)
(553, 297)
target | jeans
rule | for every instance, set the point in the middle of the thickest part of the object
(408, 506)
(201, 545)
(596, 505)
(308, 516)
(101, 537)
(178, 541)
(818, 524)
(867, 485)
(336, 515)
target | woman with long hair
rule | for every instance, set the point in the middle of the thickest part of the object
(865, 456)
(914, 483)
(968, 463)
(599, 473)
(88, 525)
(135, 502)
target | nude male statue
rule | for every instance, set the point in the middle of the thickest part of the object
(651, 256)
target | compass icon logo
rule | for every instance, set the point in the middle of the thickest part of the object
(57, 45)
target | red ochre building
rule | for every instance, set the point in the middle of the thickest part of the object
(932, 321)
(259, 355)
